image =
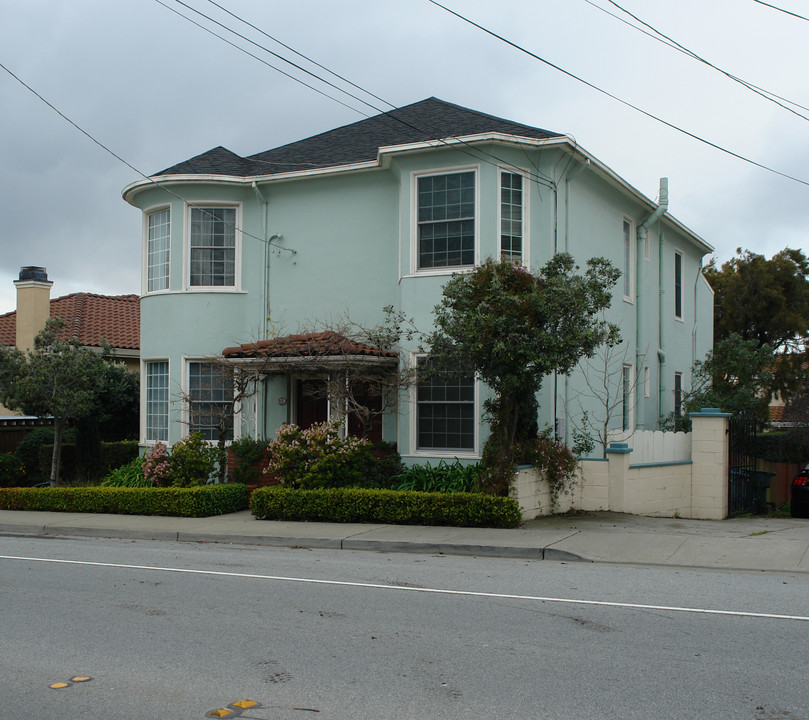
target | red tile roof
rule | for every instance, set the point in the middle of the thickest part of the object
(322, 344)
(89, 318)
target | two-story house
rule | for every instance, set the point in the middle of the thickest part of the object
(239, 250)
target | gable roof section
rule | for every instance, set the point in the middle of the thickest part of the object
(91, 319)
(430, 119)
(322, 344)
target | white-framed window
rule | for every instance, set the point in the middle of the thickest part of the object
(647, 381)
(678, 393)
(158, 245)
(446, 220)
(628, 398)
(513, 218)
(210, 400)
(156, 373)
(628, 266)
(213, 246)
(678, 285)
(445, 411)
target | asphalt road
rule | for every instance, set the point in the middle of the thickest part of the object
(176, 631)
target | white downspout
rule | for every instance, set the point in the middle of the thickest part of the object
(643, 230)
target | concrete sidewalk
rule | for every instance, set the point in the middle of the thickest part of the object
(776, 544)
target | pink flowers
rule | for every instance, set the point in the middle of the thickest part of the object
(157, 465)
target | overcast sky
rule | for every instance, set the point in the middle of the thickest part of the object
(155, 90)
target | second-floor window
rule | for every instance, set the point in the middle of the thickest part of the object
(629, 263)
(158, 234)
(212, 247)
(511, 217)
(446, 220)
(678, 285)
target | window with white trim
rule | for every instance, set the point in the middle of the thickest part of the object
(210, 400)
(446, 220)
(158, 242)
(511, 217)
(212, 247)
(678, 393)
(628, 398)
(629, 263)
(157, 400)
(678, 285)
(445, 411)
(647, 381)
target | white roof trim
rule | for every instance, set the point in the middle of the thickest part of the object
(383, 160)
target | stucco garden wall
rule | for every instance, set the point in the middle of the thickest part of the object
(689, 488)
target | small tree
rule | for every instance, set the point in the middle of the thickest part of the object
(57, 378)
(511, 328)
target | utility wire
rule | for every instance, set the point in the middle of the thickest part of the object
(474, 152)
(128, 164)
(786, 12)
(763, 93)
(687, 133)
(673, 46)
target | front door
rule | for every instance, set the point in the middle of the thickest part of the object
(311, 403)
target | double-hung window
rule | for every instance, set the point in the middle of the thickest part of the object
(628, 268)
(678, 285)
(210, 400)
(157, 400)
(158, 233)
(212, 247)
(628, 398)
(678, 393)
(446, 220)
(445, 411)
(511, 217)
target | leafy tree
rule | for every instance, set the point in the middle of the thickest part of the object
(762, 300)
(57, 378)
(511, 328)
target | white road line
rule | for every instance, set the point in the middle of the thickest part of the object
(433, 591)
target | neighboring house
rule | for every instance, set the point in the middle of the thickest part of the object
(92, 319)
(238, 250)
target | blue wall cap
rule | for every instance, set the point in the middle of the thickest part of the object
(709, 412)
(619, 447)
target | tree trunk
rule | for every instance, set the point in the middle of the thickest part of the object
(56, 458)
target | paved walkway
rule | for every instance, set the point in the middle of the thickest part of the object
(778, 544)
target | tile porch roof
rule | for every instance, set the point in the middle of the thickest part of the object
(89, 318)
(322, 344)
(430, 119)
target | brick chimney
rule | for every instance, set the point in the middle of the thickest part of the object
(33, 304)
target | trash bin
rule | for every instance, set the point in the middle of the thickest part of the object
(799, 495)
(761, 483)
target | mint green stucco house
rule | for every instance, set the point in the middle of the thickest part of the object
(382, 212)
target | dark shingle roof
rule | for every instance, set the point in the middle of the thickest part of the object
(89, 318)
(430, 119)
(322, 344)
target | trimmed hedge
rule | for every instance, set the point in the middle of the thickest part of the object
(385, 506)
(201, 501)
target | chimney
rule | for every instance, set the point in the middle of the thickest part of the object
(33, 304)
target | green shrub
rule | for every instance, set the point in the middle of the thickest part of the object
(193, 461)
(27, 451)
(318, 458)
(442, 478)
(12, 471)
(129, 475)
(385, 506)
(202, 501)
(248, 454)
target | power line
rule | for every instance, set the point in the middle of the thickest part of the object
(659, 37)
(687, 133)
(763, 93)
(128, 164)
(786, 12)
(476, 153)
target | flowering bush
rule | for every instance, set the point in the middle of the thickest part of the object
(318, 457)
(157, 465)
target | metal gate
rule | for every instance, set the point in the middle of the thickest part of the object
(742, 495)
